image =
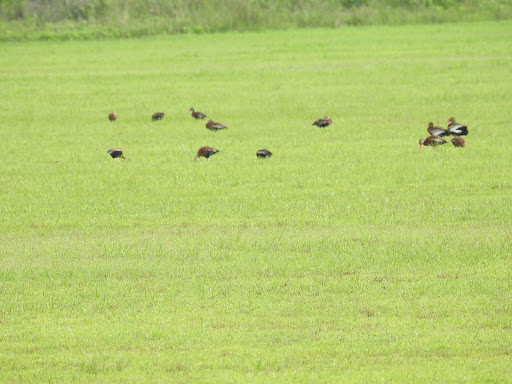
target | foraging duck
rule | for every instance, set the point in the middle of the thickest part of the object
(323, 122)
(112, 116)
(157, 116)
(116, 152)
(458, 142)
(206, 152)
(262, 153)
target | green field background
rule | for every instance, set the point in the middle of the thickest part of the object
(93, 19)
(349, 256)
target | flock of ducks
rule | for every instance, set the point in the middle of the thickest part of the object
(437, 133)
(214, 126)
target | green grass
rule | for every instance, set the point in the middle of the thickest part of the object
(349, 256)
(99, 19)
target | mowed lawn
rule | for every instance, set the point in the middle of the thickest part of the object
(349, 256)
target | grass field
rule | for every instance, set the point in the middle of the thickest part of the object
(349, 256)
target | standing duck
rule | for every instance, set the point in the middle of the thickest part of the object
(214, 126)
(206, 152)
(196, 114)
(432, 141)
(437, 131)
(323, 122)
(455, 128)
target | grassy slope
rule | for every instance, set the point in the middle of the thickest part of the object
(349, 255)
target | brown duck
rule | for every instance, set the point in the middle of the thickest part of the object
(432, 141)
(323, 122)
(458, 142)
(206, 152)
(196, 114)
(215, 126)
(112, 116)
(437, 131)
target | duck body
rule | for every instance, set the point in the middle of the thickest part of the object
(196, 114)
(157, 116)
(432, 141)
(206, 152)
(115, 153)
(437, 131)
(112, 116)
(458, 142)
(456, 129)
(263, 153)
(323, 122)
(215, 126)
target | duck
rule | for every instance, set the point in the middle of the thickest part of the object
(262, 153)
(206, 152)
(455, 128)
(215, 126)
(323, 122)
(196, 114)
(116, 152)
(157, 116)
(432, 141)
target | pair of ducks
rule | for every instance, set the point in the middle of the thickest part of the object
(437, 133)
(210, 151)
(211, 125)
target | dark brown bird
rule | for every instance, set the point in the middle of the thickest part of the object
(116, 152)
(323, 122)
(437, 131)
(455, 128)
(206, 152)
(112, 116)
(196, 114)
(214, 126)
(263, 153)
(432, 141)
(458, 142)
(157, 116)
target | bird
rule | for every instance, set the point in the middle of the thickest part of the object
(214, 126)
(157, 116)
(262, 153)
(206, 152)
(116, 152)
(197, 114)
(432, 141)
(112, 116)
(455, 128)
(323, 122)
(437, 131)
(458, 142)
